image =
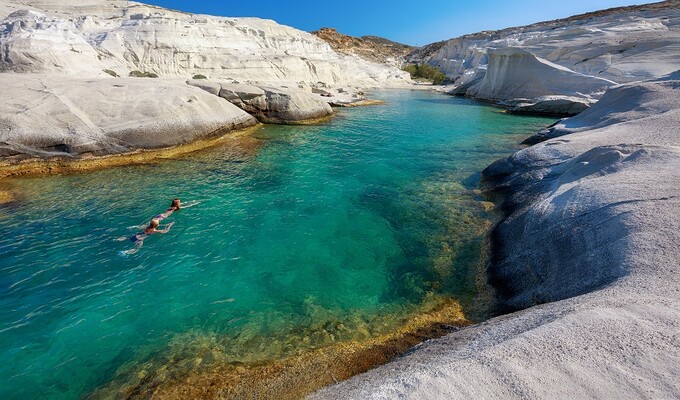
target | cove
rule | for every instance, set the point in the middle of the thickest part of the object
(304, 237)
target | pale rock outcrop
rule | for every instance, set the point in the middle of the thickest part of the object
(626, 102)
(527, 84)
(209, 86)
(620, 45)
(514, 73)
(623, 45)
(31, 41)
(590, 225)
(270, 104)
(47, 116)
(85, 39)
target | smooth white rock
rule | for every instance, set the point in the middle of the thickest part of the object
(621, 46)
(270, 104)
(514, 73)
(45, 116)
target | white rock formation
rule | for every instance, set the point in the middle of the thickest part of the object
(41, 116)
(77, 47)
(592, 226)
(620, 45)
(269, 104)
(517, 74)
(83, 39)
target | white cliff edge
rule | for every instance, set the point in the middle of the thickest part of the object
(617, 46)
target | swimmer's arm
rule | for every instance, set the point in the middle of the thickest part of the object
(191, 204)
(167, 229)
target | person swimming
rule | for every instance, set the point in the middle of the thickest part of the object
(174, 206)
(138, 238)
(152, 227)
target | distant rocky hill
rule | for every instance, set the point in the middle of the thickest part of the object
(371, 48)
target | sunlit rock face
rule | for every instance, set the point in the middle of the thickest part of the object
(90, 37)
(572, 58)
(41, 116)
(516, 73)
(622, 45)
(270, 104)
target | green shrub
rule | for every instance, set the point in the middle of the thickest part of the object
(112, 73)
(140, 74)
(426, 71)
(199, 76)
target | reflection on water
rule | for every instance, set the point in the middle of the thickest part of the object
(309, 243)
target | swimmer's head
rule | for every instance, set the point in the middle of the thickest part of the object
(154, 223)
(176, 204)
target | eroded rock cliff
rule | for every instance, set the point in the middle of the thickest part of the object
(128, 37)
(371, 48)
(619, 45)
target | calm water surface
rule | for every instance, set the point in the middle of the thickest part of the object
(300, 231)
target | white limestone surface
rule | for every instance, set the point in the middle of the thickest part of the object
(514, 73)
(589, 249)
(562, 58)
(270, 104)
(47, 116)
(621, 45)
(71, 37)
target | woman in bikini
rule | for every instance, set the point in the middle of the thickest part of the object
(174, 206)
(138, 238)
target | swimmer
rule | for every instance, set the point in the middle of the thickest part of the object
(176, 205)
(138, 239)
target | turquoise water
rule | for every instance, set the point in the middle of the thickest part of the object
(298, 228)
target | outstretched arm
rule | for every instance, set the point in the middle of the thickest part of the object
(167, 228)
(191, 204)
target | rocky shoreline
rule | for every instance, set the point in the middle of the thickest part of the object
(588, 251)
(100, 78)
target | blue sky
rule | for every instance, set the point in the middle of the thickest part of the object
(414, 22)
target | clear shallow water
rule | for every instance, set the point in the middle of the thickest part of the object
(304, 236)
